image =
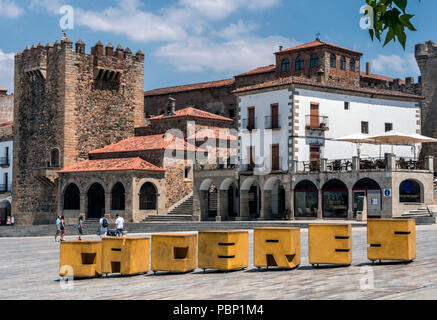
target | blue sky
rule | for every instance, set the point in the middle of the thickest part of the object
(188, 41)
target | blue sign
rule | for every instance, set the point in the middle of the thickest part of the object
(387, 193)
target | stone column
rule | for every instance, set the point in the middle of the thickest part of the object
(218, 218)
(350, 210)
(197, 212)
(108, 205)
(266, 204)
(129, 212)
(83, 204)
(289, 195)
(224, 205)
(320, 205)
(244, 206)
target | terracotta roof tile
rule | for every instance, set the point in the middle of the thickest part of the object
(195, 113)
(259, 70)
(121, 164)
(212, 133)
(318, 43)
(189, 87)
(309, 82)
(144, 143)
(379, 77)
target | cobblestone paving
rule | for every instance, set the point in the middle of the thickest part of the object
(29, 267)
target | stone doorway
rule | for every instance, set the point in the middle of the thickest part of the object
(96, 201)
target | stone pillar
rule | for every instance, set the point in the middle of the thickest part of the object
(83, 204)
(390, 159)
(320, 205)
(289, 196)
(108, 205)
(218, 218)
(266, 204)
(224, 205)
(429, 163)
(197, 205)
(244, 205)
(323, 165)
(129, 212)
(350, 210)
(355, 164)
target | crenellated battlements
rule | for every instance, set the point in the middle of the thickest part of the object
(34, 60)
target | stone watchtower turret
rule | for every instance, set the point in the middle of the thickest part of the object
(426, 56)
(68, 103)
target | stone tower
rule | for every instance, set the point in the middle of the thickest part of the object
(426, 56)
(68, 103)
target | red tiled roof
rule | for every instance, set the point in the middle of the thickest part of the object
(318, 43)
(339, 86)
(189, 87)
(144, 143)
(6, 124)
(259, 70)
(212, 133)
(378, 77)
(121, 164)
(193, 112)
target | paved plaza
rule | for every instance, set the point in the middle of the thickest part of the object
(29, 270)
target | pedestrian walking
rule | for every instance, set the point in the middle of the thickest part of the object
(58, 228)
(80, 228)
(103, 230)
(62, 227)
(119, 223)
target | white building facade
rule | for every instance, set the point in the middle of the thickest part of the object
(6, 152)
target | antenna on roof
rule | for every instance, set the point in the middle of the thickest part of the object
(318, 36)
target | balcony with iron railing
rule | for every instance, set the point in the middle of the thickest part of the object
(317, 123)
(265, 166)
(5, 188)
(247, 124)
(272, 122)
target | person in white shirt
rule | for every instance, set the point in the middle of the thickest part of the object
(103, 226)
(119, 223)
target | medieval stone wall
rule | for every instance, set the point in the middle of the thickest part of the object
(426, 56)
(73, 102)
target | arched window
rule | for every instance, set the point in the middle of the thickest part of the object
(285, 65)
(410, 191)
(333, 61)
(352, 65)
(54, 158)
(300, 63)
(72, 198)
(343, 63)
(314, 60)
(148, 196)
(118, 197)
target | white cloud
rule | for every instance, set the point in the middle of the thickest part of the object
(7, 70)
(9, 9)
(239, 55)
(187, 31)
(396, 65)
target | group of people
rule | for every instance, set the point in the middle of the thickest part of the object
(103, 227)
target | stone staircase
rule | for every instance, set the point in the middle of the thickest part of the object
(182, 212)
(422, 216)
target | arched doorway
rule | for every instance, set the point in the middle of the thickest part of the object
(229, 203)
(274, 199)
(410, 191)
(96, 201)
(306, 199)
(233, 201)
(335, 199)
(118, 198)
(72, 197)
(371, 190)
(148, 196)
(254, 199)
(5, 212)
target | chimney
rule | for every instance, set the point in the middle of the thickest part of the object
(3, 92)
(170, 108)
(280, 48)
(368, 68)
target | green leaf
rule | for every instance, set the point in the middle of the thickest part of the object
(389, 37)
